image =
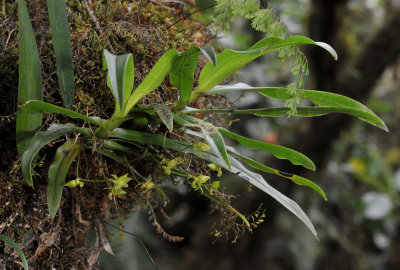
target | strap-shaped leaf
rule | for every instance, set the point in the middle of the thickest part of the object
(120, 76)
(182, 76)
(278, 151)
(58, 170)
(30, 79)
(115, 145)
(44, 107)
(41, 139)
(148, 138)
(259, 182)
(364, 115)
(14, 245)
(62, 48)
(320, 98)
(230, 61)
(154, 79)
(295, 178)
(165, 115)
(236, 167)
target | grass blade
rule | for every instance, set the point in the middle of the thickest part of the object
(58, 170)
(14, 245)
(62, 48)
(30, 79)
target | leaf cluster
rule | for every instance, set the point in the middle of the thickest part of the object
(189, 136)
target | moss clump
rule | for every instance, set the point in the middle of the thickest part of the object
(140, 28)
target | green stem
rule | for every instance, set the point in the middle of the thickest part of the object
(180, 173)
(114, 122)
(195, 95)
(92, 180)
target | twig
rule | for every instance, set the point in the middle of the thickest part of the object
(190, 14)
(158, 4)
(97, 24)
(139, 240)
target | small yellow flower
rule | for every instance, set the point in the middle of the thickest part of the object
(216, 168)
(201, 147)
(148, 185)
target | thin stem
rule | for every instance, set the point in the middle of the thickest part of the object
(139, 240)
(93, 180)
(97, 24)
(190, 14)
(180, 173)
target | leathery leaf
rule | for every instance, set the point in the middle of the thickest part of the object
(58, 170)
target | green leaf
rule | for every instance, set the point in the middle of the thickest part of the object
(236, 167)
(216, 142)
(295, 178)
(40, 106)
(182, 76)
(14, 245)
(366, 116)
(208, 51)
(41, 139)
(318, 97)
(58, 170)
(149, 138)
(278, 151)
(230, 61)
(154, 79)
(120, 76)
(62, 48)
(165, 115)
(323, 110)
(30, 79)
(114, 145)
(209, 132)
(259, 182)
